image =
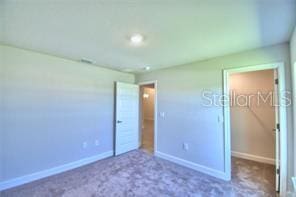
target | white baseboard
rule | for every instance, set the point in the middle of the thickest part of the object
(194, 166)
(253, 157)
(52, 171)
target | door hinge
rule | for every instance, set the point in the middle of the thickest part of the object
(278, 171)
(278, 126)
(276, 81)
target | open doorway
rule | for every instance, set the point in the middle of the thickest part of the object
(147, 116)
(255, 126)
(253, 119)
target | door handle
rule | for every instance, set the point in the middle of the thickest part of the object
(119, 121)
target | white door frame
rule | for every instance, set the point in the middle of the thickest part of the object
(282, 117)
(294, 112)
(155, 112)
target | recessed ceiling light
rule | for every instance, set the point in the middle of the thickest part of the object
(147, 68)
(136, 39)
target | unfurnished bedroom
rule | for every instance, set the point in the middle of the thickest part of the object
(105, 98)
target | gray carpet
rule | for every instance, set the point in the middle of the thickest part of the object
(138, 173)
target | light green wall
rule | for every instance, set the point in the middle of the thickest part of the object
(1, 114)
(49, 107)
(293, 65)
(186, 120)
(293, 47)
(52, 105)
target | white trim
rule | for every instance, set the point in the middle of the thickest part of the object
(52, 171)
(282, 116)
(194, 166)
(294, 110)
(253, 157)
(155, 112)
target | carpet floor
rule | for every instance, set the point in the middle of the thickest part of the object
(139, 173)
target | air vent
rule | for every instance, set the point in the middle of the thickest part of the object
(87, 61)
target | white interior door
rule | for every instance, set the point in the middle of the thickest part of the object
(277, 132)
(127, 118)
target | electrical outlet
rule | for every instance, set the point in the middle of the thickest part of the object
(97, 142)
(84, 145)
(185, 146)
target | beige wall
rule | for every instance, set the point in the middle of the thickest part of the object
(252, 122)
(148, 103)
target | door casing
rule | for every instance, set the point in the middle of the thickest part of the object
(155, 114)
(279, 66)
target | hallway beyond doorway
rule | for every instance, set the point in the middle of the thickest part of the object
(147, 114)
(148, 135)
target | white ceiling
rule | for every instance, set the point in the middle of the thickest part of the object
(176, 31)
